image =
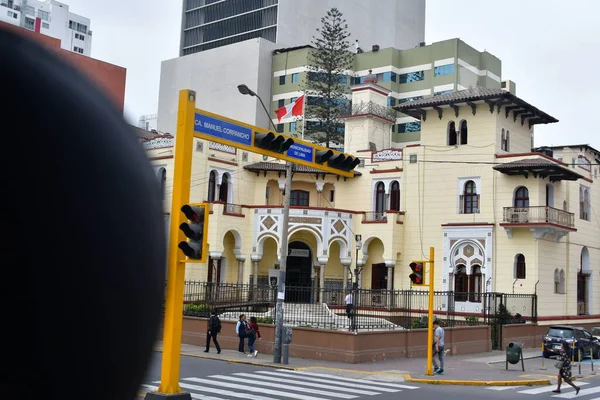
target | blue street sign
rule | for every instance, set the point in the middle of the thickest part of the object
(222, 129)
(301, 152)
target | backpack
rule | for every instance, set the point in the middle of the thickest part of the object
(217, 324)
(250, 331)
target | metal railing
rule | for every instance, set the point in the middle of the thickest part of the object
(538, 214)
(375, 216)
(325, 307)
(234, 209)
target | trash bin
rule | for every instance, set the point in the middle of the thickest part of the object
(513, 353)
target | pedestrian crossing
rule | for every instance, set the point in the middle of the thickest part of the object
(283, 384)
(567, 392)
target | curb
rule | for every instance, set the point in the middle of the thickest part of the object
(532, 382)
(255, 363)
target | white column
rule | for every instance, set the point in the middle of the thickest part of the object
(241, 259)
(390, 276)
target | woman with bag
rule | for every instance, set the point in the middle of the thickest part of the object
(253, 332)
(564, 368)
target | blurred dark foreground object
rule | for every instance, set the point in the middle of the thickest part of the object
(82, 247)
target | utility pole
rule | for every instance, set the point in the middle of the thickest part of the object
(285, 218)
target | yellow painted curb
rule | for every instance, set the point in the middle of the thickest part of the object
(255, 363)
(532, 382)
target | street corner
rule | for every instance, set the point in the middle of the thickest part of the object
(523, 380)
(234, 359)
(389, 376)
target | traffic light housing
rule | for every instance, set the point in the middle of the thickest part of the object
(343, 162)
(416, 277)
(196, 230)
(273, 142)
(321, 156)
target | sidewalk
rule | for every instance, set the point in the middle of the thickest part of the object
(486, 369)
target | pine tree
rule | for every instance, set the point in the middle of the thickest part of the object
(327, 80)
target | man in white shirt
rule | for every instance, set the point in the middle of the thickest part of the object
(349, 300)
(438, 347)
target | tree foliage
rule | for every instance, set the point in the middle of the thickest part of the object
(326, 84)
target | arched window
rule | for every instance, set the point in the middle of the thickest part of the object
(380, 198)
(452, 136)
(562, 282)
(520, 266)
(584, 203)
(299, 198)
(470, 198)
(522, 197)
(395, 196)
(503, 140)
(224, 190)
(475, 285)
(507, 140)
(461, 283)
(212, 186)
(565, 207)
(556, 281)
(463, 132)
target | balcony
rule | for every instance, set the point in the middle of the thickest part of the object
(382, 217)
(544, 222)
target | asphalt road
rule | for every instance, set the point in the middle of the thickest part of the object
(213, 379)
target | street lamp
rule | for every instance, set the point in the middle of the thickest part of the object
(357, 269)
(283, 250)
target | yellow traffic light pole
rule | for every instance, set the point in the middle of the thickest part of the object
(430, 314)
(184, 141)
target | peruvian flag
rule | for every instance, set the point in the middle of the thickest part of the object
(293, 109)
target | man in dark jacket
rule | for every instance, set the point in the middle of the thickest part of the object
(214, 327)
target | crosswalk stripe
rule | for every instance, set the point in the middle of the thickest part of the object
(287, 387)
(367, 385)
(227, 393)
(582, 393)
(339, 378)
(545, 389)
(502, 387)
(247, 389)
(193, 395)
(311, 384)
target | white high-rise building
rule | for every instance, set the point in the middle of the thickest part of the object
(207, 24)
(50, 18)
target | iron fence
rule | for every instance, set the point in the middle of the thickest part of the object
(325, 307)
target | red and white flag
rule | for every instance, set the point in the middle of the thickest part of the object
(293, 109)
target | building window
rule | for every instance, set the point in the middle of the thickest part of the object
(224, 189)
(295, 78)
(461, 283)
(12, 14)
(584, 203)
(443, 70)
(292, 126)
(299, 198)
(463, 132)
(29, 10)
(562, 287)
(281, 103)
(521, 197)
(409, 127)
(520, 267)
(556, 281)
(43, 15)
(407, 99)
(380, 198)
(293, 99)
(391, 101)
(504, 140)
(395, 196)
(78, 50)
(163, 183)
(412, 77)
(79, 36)
(212, 186)
(452, 135)
(29, 23)
(470, 199)
(45, 25)
(389, 77)
(282, 80)
(475, 284)
(331, 196)
(442, 92)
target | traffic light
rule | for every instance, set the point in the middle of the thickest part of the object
(323, 155)
(417, 272)
(272, 142)
(196, 230)
(343, 162)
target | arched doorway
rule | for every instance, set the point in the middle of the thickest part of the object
(298, 278)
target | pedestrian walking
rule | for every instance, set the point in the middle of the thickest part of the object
(349, 300)
(214, 328)
(564, 368)
(240, 329)
(253, 334)
(438, 347)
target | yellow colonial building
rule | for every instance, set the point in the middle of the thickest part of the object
(503, 217)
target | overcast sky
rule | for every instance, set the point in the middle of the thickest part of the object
(550, 48)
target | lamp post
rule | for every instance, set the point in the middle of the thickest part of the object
(357, 269)
(243, 89)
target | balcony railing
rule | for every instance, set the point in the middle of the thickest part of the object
(375, 216)
(232, 209)
(538, 215)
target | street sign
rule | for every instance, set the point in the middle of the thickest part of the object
(220, 129)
